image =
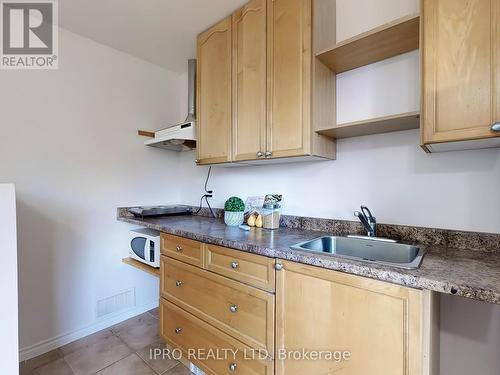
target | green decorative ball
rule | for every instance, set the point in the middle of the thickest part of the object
(234, 204)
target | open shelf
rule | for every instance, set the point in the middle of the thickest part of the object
(403, 121)
(143, 267)
(391, 39)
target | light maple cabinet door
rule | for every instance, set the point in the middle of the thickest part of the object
(289, 77)
(380, 324)
(461, 73)
(249, 81)
(214, 94)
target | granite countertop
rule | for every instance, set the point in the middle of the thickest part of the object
(467, 273)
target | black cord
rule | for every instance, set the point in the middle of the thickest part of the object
(208, 194)
(206, 181)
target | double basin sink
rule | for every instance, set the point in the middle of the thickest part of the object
(367, 249)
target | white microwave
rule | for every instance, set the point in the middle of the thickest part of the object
(144, 246)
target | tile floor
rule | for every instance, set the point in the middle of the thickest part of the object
(123, 349)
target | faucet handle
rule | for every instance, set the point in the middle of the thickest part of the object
(366, 211)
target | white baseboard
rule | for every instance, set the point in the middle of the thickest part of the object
(56, 342)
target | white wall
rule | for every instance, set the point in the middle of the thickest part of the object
(69, 142)
(9, 344)
(470, 337)
(388, 172)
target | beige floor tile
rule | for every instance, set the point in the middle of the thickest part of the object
(180, 369)
(85, 342)
(131, 365)
(93, 353)
(24, 369)
(58, 367)
(138, 332)
(159, 364)
(43, 359)
(155, 312)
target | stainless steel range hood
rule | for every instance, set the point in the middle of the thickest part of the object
(180, 137)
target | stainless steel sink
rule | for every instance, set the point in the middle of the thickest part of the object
(367, 249)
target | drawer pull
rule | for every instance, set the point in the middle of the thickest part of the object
(178, 283)
(495, 127)
(234, 265)
(178, 248)
(178, 330)
(278, 266)
(233, 308)
(232, 367)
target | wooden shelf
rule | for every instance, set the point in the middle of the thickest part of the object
(143, 267)
(146, 133)
(391, 39)
(403, 121)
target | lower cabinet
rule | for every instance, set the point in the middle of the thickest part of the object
(213, 351)
(241, 313)
(244, 312)
(348, 324)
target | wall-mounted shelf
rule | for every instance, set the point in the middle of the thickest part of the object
(403, 121)
(391, 39)
(142, 266)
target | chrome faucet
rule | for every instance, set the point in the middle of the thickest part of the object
(368, 221)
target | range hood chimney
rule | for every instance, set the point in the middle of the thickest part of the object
(181, 137)
(191, 116)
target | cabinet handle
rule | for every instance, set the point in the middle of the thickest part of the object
(178, 283)
(260, 154)
(178, 330)
(178, 248)
(234, 265)
(278, 266)
(269, 154)
(233, 308)
(495, 127)
(232, 367)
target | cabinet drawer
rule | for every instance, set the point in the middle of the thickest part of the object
(196, 338)
(183, 249)
(241, 311)
(248, 268)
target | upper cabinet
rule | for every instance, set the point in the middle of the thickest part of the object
(256, 86)
(461, 74)
(289, 55)
(249, 81)
(214, 78)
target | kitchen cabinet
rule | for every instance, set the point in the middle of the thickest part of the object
(194, 337)
(380, 325)
(290, 51)
(285, 312)
(213, 299)
(249, 81)
(244, 312)
(461, 74)
(276, 82)
(251, 269)
(214, 77)
(183, 249)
